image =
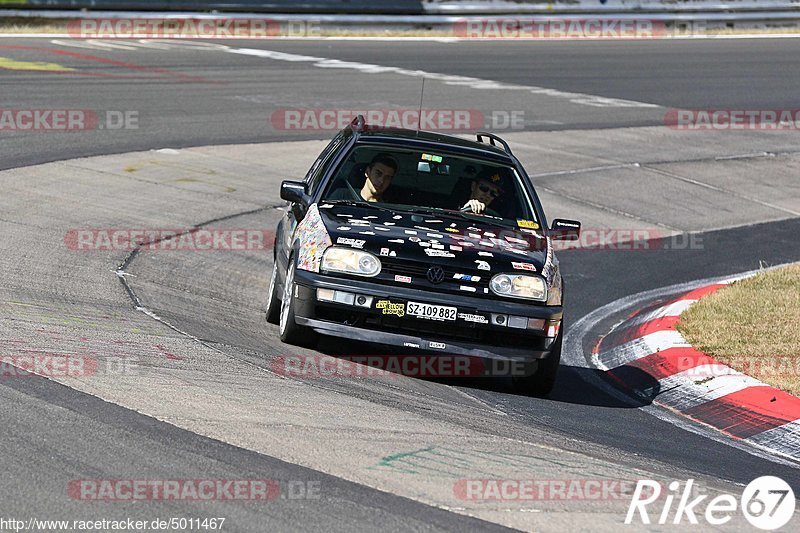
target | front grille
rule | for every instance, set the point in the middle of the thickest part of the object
(419, 271)
(410, 269)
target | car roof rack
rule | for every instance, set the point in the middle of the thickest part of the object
(493, 140)
(359, 123)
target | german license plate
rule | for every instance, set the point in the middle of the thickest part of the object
(431, 312)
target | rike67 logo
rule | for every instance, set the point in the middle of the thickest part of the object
(767, 502)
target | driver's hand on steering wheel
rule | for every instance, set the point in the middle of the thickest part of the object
(475, 206)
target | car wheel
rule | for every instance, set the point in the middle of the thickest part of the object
(273, 302)
(542, 381)
(291, 332)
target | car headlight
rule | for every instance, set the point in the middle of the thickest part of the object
(350, 261)
(519, 286)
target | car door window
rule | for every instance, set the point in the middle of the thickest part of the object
(319, 167)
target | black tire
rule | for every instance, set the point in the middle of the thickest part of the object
(273, 311)
(291, 332)
(541, 383)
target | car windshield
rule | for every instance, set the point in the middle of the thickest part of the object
(415, 180)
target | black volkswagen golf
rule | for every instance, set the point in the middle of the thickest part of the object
(423, 241)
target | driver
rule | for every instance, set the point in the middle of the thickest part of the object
(377, 176)
(485, 188)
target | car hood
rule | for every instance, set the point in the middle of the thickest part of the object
(409, 243)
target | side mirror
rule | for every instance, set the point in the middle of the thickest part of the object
(294, 191)
(565, 230)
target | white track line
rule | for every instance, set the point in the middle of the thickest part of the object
(779, 436)
(682, 392)
(673, 309)
(638, 348)
(448, 79)
(692, 387)
(573, 354)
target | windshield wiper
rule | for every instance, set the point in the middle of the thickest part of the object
(344, 201)
(465, 215)
(430, 211)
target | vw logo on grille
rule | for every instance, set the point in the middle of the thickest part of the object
(435, 274)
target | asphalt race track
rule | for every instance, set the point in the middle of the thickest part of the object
(203, 98)
(204, 400)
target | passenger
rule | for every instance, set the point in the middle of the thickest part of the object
(484, 190)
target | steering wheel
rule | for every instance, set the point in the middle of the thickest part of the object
(488, 211)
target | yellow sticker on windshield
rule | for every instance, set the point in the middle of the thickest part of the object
(431, 157)
(530, 224)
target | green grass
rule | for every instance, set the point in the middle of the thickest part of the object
(752, 326)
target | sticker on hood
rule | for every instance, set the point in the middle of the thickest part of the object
(355, 243)
(524, 266)
(482, 265)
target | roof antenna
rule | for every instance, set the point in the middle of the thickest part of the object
(419, 115)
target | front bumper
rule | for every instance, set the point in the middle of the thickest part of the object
(467, 335)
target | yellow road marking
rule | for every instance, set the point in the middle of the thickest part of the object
(12, 64)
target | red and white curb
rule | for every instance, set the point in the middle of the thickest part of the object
(647, 355)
